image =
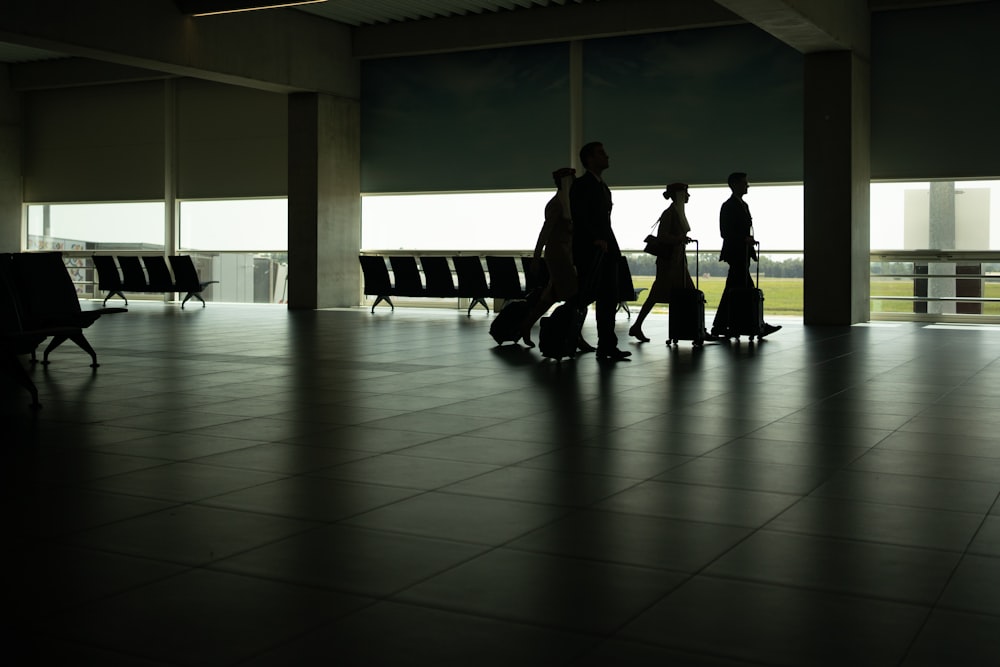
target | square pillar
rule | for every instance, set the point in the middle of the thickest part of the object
(324, 201)
(837, 178)
(11, 192)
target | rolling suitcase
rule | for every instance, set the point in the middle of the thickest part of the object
(506, 325)
(686, 316)
(559, 332)
(746, 309)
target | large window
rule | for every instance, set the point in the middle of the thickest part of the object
(136, 225)
(244, 224)
(241, 244)
(935, 249)
(943, 215)
(512, 220)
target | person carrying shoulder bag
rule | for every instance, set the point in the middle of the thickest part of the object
(671, 261)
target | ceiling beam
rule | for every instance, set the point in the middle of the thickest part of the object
(72, 72)
(810, 26)
(557, 23)
(280, 50)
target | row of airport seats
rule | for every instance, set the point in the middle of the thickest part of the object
(464, 276)
(37, 301)
(149, 273)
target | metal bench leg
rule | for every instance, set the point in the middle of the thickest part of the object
(77, 338)
(192, 295)
(115, 293)
(473, 305)
(23, 379)
(379, 299)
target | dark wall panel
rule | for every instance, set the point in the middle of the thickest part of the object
(97, 143)
(935, 92)
(231, 142)
(480, 120)
(695, 105)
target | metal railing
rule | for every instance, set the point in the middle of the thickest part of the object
(935, 285)
(244, 276)
(909, 285)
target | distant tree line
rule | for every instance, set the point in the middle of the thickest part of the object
(642, 264)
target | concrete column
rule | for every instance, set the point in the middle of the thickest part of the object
(324, 201)
(170, 168)
(941, 236)
(11, 192)
(837, 177)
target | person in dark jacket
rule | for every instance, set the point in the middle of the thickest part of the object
(738, 250)
(595, 248)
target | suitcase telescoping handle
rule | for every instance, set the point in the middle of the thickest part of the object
(697, 271)
(756, 247)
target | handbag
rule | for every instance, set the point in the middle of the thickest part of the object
(652, 243)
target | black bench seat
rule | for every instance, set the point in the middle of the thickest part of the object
(48, 301)
(150, 273)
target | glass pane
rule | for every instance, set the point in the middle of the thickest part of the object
(134, 225)
(942, 215)
(512, 220)
(241, 224)
(243, 277)
(460, 221)
(240, 278)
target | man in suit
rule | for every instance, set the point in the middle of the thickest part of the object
(595, 248)
(736, 227)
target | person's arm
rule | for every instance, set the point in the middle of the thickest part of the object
(552, 209)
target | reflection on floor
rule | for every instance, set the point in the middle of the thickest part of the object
(244, 485)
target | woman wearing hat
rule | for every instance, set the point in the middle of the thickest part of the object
(671, 261)
(556, 239)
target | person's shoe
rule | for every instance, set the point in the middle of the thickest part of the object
(637, 334)
(526, 339)
(769, 329)
(614, 354)
(584, 346)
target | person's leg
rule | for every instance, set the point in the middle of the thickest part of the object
(545, 301)
(607, 306)
(737, 278)
(720, 324)
(636, 329)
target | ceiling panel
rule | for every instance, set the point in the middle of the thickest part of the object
(14, 53)
(368, 12)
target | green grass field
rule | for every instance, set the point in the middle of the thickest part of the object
(783, 296)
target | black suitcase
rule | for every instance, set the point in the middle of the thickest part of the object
(746, 309)
(746, 312)
(559, 332)
(506, 325)
(686, 316)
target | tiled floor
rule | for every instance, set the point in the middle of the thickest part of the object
(244, 485)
